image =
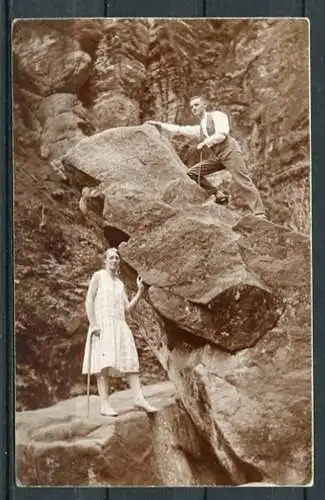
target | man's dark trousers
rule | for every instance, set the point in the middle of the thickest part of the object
(229, 154)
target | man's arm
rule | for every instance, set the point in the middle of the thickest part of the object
(221, 126)
(187, 130)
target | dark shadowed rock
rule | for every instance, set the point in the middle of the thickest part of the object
(225, 322)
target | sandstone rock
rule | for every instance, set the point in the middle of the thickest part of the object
(114, 110)
(276, 253)
(252, 408)
(59, 103)
(120, 67)
(64, 123)
(186, 252)
(124, 154)
(181, 455)
(51, 61)
(59, 445)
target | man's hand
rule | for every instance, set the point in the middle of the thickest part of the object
(200, 145)
(94, 330)
(210, 141)
(156, 124)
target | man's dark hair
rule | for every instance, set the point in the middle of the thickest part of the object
(204, 99)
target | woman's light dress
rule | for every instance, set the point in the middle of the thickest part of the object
(115, 347)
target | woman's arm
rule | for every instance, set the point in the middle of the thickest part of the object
(130, 305)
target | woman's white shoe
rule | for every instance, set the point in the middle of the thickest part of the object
(107, 411)
(142, 404)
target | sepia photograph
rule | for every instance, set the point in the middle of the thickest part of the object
(162, 252)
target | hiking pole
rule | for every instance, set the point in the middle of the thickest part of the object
(88, 374)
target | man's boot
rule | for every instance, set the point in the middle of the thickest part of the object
(221, 198)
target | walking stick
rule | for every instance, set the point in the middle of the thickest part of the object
(88, 374)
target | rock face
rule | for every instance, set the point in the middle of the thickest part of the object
(64, 123)
(49, 60)
(49, 67)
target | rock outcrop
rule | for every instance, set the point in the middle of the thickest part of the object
(61, 445)
(188, 256)
(215, 284)
(63, 122)
(48, 59)
(49, 66)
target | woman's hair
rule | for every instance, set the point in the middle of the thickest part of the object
(110, 251)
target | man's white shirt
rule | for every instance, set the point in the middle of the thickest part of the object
(221, 125)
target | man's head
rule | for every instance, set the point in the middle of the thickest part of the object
(198, 105)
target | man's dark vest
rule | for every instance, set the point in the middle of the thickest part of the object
(211, 130)
(209, 126)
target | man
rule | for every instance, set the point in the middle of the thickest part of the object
(214, 133)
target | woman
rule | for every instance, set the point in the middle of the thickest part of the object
(113, 350)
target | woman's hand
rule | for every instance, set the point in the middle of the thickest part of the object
(94, 330)
(140, 285)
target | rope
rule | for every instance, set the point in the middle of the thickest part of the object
(199, 176)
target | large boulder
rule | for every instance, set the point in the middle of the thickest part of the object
(253, 408)
(184, 249)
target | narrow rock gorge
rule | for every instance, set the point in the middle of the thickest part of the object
(224, 329)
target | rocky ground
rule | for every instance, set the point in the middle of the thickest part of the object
(227, 307)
